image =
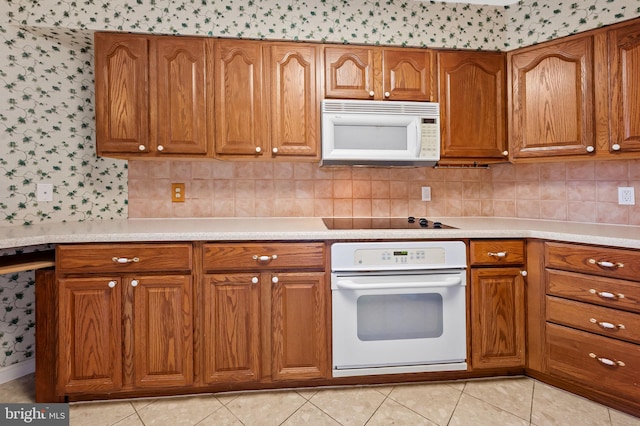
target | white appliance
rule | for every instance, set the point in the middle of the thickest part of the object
(398, 307)
(380, 133)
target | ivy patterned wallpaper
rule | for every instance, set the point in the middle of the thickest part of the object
(46, 93)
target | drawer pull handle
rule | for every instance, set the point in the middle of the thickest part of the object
(499, 254)
(265, 258)
(607, 325)
(606, 264)
(606, 294)
(112, 284)
(607, 361)
(125, 259)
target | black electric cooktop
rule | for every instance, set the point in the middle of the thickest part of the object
(383, 223)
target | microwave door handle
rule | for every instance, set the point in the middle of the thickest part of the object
(350, 285)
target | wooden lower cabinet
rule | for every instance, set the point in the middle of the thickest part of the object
(498, 318)
(120, 333)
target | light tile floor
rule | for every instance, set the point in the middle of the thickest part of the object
(495, 402)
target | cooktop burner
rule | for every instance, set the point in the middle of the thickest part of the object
(382, 223)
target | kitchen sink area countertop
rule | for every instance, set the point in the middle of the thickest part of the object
(292, 228)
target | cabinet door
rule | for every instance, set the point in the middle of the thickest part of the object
(295, 100)
(163, 330)
(90, 350)
(349, 72)
(231, 341)
(552, 100)
(181, 95)
(299, 326)
(407, 74)
(473, 104)
(122, 93)
(240, 110)
(497, 318)
(624, 88)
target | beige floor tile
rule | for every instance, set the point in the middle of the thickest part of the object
(132, 420)
(309, 414)
(99, 413)
(221, 417)
(265, 408)
(307, 393)
(512, 394)
(349, 406)
(472, 411)
(140, 403)
(434, 401)
(20, 390)
(187, 410)
(553, 406)
(623, 419)
(392, 413)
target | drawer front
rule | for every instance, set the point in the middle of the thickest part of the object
(497, 252)
(596, 319)
(263, 256)
(123, 258)
(585, 357)
(608, 262)
(588, 288)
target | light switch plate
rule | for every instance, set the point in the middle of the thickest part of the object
(44, 192)
(426, 193)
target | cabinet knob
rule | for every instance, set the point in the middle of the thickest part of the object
(615, 147)
(254, 280)
(275, 280)
(112, 284)
(134, 283)
(387, 94)
(371, 93)
(160, 148)
(141, 147)
(524, 273)
(590, 149)
(258, 149)
(505, 153)
(274, 150)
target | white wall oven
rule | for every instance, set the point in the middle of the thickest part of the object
(398, 307)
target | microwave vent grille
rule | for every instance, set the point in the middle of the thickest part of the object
(381, 107)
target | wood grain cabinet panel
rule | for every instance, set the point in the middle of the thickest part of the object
(551, 102)
(90, 335)
(624, 88)
(122, 93)
(299, 326)
(497, 309)
(153, 96)
(379, 73)
(498, 317)
(473, 110)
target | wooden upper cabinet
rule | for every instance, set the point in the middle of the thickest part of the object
(551, 101)
(240, 109)
(181, 95)
(294, 84)
(400, 74)
(152, 95)
(624, 88)
(122, 93)
(473, 107)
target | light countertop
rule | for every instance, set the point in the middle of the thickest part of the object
(252, 229)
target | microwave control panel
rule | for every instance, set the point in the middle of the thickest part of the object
(429, 138)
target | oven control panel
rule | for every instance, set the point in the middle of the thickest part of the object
(400, 256)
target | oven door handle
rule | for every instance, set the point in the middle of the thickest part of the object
(351, 285)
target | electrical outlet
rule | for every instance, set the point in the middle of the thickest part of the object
(626, 196)
(44, 192)
(177, 192)
(426, 193)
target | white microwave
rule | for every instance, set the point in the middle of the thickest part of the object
(380, 133)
